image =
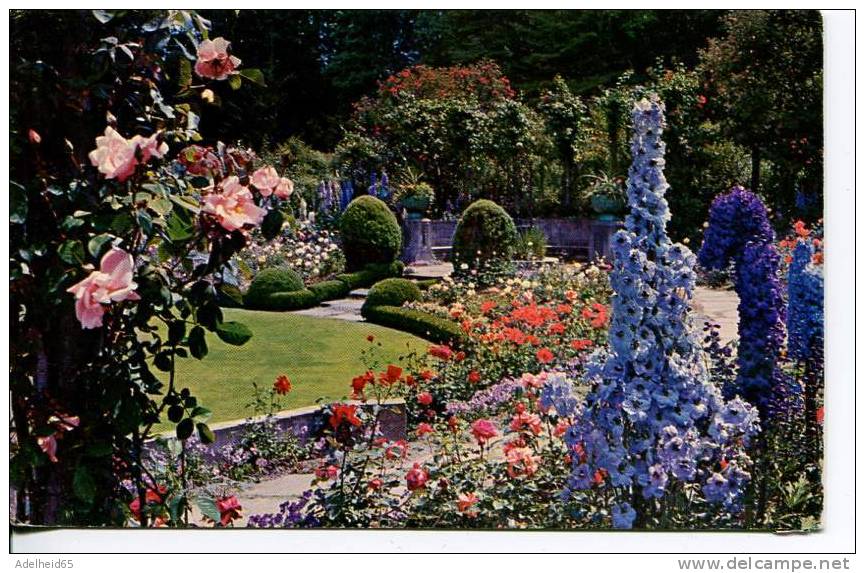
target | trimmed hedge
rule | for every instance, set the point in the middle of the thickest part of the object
(425, 283)
(329, 290)
(270, 281)
(419, 323)
(371, 274)
(391, 292)
(370, 233)
(293, 300)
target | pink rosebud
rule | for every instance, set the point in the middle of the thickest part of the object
(48, 444)
(285, 188)
(34, 137)
(214, 61)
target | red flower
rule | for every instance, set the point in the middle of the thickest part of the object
(282, 386)
(819, 415)
(581, 344)
(398, 449)
(701, 100)
(370, 337)
(460, 356)
(425, 398)
(423, 429)
(556, 328)
(488, 305)
(392, 375)
(565, 309)
(427, 375)
(358, 383)
(344, 413)
(375, 484)
(416, 478)
(596, 315)
(801, 229)
(441, 351)
(453, 423)
(544, 356)
(229, 509)
(326, 472)
(474, 377)
(484, 431)
(151, 497)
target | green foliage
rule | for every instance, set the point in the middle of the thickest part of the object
(423, 324)
(329, 290)
(765, 78)
(269, 281)
(371, 274)
(370, 233)
(485, 237)
(392, 292)
(531, 244)
(286, 300)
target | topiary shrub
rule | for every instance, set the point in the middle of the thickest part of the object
(329, 290)
(270, 281)
(428, 326)
(391, 292)
(370, 233)
(485, 239)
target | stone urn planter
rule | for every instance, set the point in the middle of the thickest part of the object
(415, 206)
(607, 207)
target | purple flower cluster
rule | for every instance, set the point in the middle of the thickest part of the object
(290, 514)
(486, 399)
(652, 417)
(804, 304)
(739, 233)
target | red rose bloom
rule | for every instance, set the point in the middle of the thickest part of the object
(282, 386)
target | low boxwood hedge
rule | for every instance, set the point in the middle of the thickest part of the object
(293, 300)
(371, 274)
(330, 290)
(419, 323)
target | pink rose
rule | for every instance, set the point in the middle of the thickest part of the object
(233, 207)
(416, 478)
(265, 180)
(285, 188)
(214, 61)
(111, 283)
(115, 156)
(484, 431)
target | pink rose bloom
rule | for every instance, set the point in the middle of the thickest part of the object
(285, 188)
(484, 431)
(416, 478)
(233, 207)
(48, 444)
(114, 155)
(214, 61)
(465, 501)
(111, 283)
(265, 180)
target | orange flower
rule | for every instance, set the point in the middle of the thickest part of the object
(488, 305)
(581, 344)
(282, 386)
(544, 356)
(556, 328)
(427, 375)
(358, 383)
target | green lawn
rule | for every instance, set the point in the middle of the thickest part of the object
(319, 355)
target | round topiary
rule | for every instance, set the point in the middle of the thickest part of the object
(392, 292)
(270, 281)
(370, 233)
(485, 238)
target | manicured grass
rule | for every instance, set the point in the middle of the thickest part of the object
(319, 355)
